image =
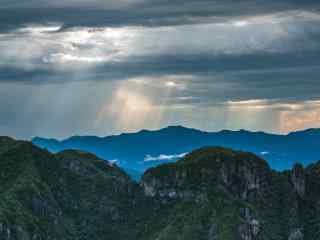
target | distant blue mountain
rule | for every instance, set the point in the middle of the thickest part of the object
(136, 152)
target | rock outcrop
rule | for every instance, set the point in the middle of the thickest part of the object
(259, 202)
(298, 179)
(70, 195)
(211, 194)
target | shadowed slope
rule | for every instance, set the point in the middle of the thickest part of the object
(212, 193)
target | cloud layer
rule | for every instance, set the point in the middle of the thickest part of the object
(164, 157)
(112, 66)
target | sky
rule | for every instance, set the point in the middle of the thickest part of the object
(101, 67)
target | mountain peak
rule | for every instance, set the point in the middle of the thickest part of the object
(6, 140)
(130, 150)
(310, 131)
(176, 127)
(179, 128)
(216, 191)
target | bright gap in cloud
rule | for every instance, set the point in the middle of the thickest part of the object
(36, 29)
(240, 23)
(170, 84)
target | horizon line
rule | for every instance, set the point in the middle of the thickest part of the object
(173, 126)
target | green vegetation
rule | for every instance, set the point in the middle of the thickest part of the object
(212, 194)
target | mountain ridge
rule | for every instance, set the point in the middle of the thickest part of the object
(180, 127)
(131, 149)
(212, 193)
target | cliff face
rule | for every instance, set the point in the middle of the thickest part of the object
(237, 193)
(71, 195)
(212, 194)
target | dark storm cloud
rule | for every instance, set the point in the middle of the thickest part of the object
(146, 13)
(64, 61)
(245, 76)
(289, 76)
(286, 85)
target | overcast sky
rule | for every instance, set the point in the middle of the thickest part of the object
(101, 67)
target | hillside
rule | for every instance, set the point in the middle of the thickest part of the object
(70, 195)
(212, 193)
(221, 194)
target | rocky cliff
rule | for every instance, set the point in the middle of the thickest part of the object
(212, 194)
(236, 193)
(70, 195)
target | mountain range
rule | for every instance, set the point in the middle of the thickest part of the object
(136, 152)
(211, 193)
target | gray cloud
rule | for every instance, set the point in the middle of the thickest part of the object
(138, 12)
(255, 43)
(86, 67)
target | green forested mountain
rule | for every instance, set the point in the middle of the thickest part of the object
(212, 194)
